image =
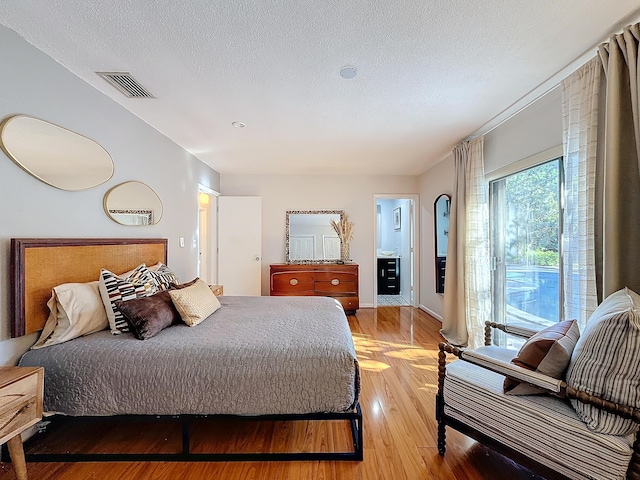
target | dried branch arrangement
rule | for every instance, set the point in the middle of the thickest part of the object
(344, 228)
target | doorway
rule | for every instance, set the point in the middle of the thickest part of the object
(207, 228)
(395, 253)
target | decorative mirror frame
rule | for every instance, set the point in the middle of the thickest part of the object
(440, 260)
(307, 212)
(70, 145)
(146, 215)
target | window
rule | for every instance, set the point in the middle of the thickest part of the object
(525, 240)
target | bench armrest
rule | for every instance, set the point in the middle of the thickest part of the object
(517, 330)
(552, 385)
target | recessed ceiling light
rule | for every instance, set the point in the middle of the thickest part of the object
(238, 124)
(348, 71)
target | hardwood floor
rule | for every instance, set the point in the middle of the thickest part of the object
(397, 350)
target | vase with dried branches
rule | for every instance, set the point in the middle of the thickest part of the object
(344, 230)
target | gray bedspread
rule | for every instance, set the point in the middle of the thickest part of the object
(254, 356)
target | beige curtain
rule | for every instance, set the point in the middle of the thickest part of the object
(618, 231)
(467, 290)
(580, 94)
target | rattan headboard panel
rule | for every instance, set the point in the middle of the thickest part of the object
(38, 265)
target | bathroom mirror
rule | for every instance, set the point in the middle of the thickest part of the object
(441, 209)
(309, 237)
(133, 203)
(54, 155)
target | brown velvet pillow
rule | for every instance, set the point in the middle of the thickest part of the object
(548, 352)
(150, 315)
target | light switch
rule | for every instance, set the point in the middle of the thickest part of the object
(182, 242)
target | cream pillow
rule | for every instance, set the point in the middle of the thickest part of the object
(195, 303)
(76, 309)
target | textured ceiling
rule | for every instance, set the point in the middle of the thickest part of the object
(430, 73)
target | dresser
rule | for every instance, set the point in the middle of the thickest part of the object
(388, 276)
(320, 279)
(21, 390)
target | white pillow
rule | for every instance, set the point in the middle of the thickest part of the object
(76, 309)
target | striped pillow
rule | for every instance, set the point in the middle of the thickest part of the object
(606, 362)
(162, 276)
(113, 288)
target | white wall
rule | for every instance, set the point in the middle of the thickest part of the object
(535, 129)
(434, 182)
(354, 194)
(34, 84)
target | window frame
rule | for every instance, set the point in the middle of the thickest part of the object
(496, 189)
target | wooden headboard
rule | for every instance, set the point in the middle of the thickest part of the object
(39, 264)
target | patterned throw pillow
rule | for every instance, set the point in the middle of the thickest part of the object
(163, 276)
(547, 352)
(113, 288)
(195, 303)
(606, 362)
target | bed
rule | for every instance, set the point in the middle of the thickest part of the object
(257, 357)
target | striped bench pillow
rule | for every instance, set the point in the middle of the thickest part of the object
(606, 362)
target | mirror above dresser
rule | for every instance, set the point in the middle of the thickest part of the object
(310, 238)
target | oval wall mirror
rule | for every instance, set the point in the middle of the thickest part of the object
(133, 203)
(441, 208)
(54, 155)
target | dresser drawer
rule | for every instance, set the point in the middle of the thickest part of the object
(340, 276)
(336, 286)
(292, 283)
(350, 304)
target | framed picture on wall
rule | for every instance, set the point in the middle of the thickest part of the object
(396, 218)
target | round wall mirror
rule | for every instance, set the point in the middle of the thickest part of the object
(54, 155)
(133, 203)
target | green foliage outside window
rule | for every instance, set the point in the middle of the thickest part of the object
(532, 199)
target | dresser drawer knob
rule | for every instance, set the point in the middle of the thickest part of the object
(293, 281)
(335, 281)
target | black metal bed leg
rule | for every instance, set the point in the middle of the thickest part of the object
(185, 435)
(357, 435)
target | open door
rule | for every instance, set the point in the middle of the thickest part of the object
(240, 245)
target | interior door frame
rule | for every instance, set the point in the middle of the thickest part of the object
(414, 238)
(211, 233)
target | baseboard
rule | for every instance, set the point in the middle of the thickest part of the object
(430, 312)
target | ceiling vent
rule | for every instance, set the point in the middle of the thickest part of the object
(125, 82)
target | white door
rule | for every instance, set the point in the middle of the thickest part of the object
(240, 245)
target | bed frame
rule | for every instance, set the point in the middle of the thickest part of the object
(39, 264)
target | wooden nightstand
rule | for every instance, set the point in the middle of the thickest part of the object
(217, 290)
(21, 390)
